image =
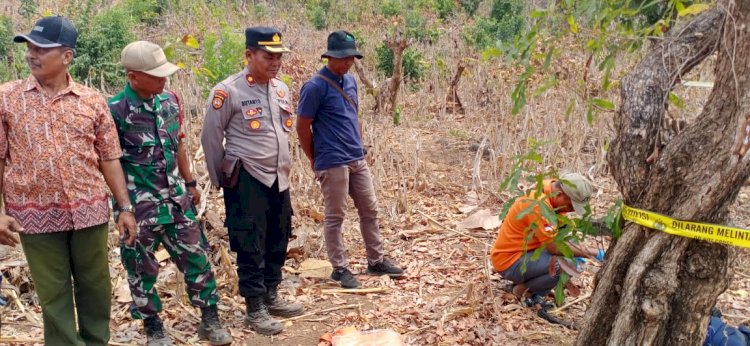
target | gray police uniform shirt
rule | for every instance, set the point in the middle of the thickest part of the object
(255, 119)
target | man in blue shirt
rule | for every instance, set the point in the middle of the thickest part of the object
(328, 104)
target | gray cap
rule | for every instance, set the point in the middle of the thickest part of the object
(579, 189)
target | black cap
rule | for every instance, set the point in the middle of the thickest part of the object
(265, 38)
(49, 32)
(341, 45)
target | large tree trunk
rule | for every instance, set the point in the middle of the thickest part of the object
(657, 289)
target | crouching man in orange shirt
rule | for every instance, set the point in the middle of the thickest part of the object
(515, 245)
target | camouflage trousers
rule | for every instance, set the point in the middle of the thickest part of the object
(186, 245)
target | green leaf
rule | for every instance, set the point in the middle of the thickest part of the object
(536, 157)
(572, 24)
(548, 58)
(526, 211)
(590, 114)
(549, 83)
(538, 14)
(560, 288)
(518, 96)
(693, 10)
(490, 53)
(603, 103)
(564, 249)
(678, 5)
(570, 108)
(506, 207)
(676, 100)
(548, 214)
(190, 41)
(537, 253)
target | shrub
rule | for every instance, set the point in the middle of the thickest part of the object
(445, 8)
(390, 8)
(100, 41)
(416, 27)
(317, 12)
(412, 62)
(144, 11)
(470, 6)
(505, 22)
(222, 57)
(12, 63)
(6, 36)
(28, 8)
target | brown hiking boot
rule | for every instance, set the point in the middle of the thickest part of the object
(210, 328)
(258, 318)
(280, 307)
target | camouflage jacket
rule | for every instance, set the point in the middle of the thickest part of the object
(149, 135)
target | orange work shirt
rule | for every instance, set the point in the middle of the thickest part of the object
(52, 147)
(509, 245)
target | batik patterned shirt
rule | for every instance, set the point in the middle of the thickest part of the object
(52, 148)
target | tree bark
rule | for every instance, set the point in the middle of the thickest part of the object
(452, 101)
(654, 288)
(398, 44)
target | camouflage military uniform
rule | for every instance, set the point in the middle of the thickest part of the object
(149, 135)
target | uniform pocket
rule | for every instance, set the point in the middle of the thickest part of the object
(254, 118)
(287, 120)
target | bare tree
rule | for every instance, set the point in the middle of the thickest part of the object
(657, 289)
(389, 87)
(452, 101)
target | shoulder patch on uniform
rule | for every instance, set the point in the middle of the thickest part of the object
(219, 97)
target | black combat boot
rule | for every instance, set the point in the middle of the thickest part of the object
(210, 328)
(258, 318)
(155, 335)
(280, 307)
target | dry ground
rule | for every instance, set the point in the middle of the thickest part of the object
(429, 176)
(448, 296)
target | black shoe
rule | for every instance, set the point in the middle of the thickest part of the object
(345, 277)
(385, 268)
(536, 299)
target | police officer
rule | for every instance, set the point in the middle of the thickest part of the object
(161, 186)
(252, 111)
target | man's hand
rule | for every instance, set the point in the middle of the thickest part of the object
(127, 227)
(195, 194)
(8, 229)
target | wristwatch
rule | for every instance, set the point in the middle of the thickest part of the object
(125, 209)
(192, 183)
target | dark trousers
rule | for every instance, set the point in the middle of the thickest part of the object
(259, 219)
(536, 274)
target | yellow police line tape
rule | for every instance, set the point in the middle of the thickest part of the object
(696, 230)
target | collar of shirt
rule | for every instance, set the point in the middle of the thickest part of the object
(73, 87)
(136, 101)
(332, 76)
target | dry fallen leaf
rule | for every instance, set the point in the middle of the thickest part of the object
(483, 219)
